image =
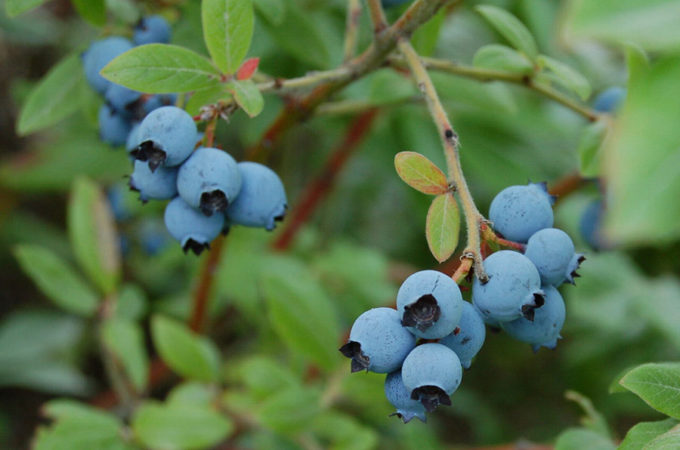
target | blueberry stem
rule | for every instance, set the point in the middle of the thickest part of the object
(473, 218)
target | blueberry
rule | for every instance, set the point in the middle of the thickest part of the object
(98, 55)
(209, 180)
(431, 372)
(132, 140)
(193, 230)
(400, 398)
(113, 128)
(545, 329)
(468, 337)
(430, 304)
(153, 237)
(154, 102)
(591, 224)
(166, 137)
(121, 99)
(150, 30)
(513, 289)
(262, 199)
(117, 195)
(517, 212)
(158, 185)
(552, 252)
(377, 341)
(609, 100)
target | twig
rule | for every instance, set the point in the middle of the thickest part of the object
(462, 270)
(566, 185)
(489, 236)
(377, 14)
(318, 188)
(352, 28)
(450, 142)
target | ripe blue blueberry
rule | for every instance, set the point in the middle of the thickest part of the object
(113, 127)
(610, 99)
(118, 197)
(158, 185)
(552, 252)
(400, 398)
(193, 230)
(545, 329)
(430, 304)
(166, 137)
(590, 225)
(377, 341)
(150, 30)
(517, 212)
(262, 199)
(468, 337)
(513, 289)
(121, 99)
(431, 372)
(98, 55)
(209, 180)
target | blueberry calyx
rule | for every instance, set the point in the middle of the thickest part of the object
(148, 151)
(360, 361)
(195, 247)
(212, 202)
(421, 314)
(431, 397)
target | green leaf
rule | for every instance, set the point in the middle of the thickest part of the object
(290, 411)
(60, 409)
(93, 236)
(206, 97)
(644, 432)
(94, 11)
(593, 419)
(510, 28)
(184, 426)
(125, 340)
(132, 303)
(189, 355)
(642, 184)
(126, 11)
(59, 282)
(589, 146)
(500, 57)
(668, 441)
(247, 95)
(582, 438)
(52, 99)
(346, 432)
(420, 173)
(263, 376)
(302, 314)
(566, 76)
(425, 38)
(650, 24)
(16, 7)
(192, 393)
(442, 226)
(162, 68)
(273, 11)
(228, 29)
(658, 384)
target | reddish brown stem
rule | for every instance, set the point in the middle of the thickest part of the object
(463, 270)
(205, 283)
(567, 184)
(320, 186)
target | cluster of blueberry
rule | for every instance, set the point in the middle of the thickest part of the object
(519, 297)
(123, 107)
(208, 190)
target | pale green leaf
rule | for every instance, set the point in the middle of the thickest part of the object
(125, 340)
(52, 99)
(272, 10)
(248, 96)
(670, 440)
(582, 438)
(162, 68)
(93, 235)
(228, 29)
(500, 57)
(290, 410)
(510, 28)
(188, 354)
(57, 280)
(94, 11)
(645, 432)
(658, 384)
(206, 96)
(16, 7)
(442, 226)
(420, 173)
(566, 76)
(589, 148)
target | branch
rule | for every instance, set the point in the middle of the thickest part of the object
(352, 28)
(487, 75)
(377, 14)
(449, 139)
(318, 188)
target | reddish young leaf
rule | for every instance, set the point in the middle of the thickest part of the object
(247, 69)
(442, 226)
(420, 173)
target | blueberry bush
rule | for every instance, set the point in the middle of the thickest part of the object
(304, 224)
